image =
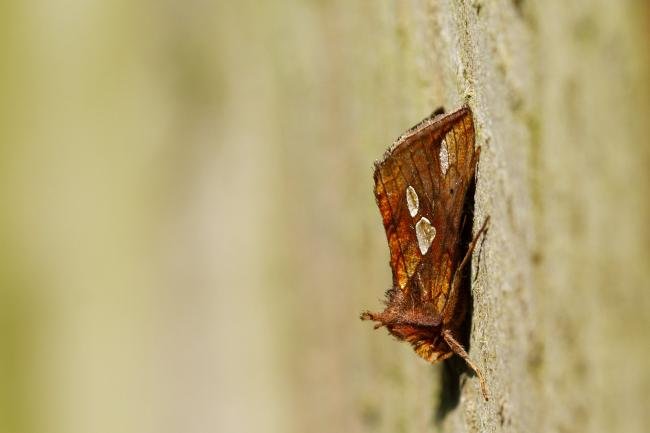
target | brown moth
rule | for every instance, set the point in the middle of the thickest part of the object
(421, 186)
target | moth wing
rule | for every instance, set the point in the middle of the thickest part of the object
(439, 177)
(391, 182)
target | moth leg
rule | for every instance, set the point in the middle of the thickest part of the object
(458, 350)
(455, 282)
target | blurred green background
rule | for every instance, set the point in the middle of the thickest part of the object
(180, 187)
(188, 229)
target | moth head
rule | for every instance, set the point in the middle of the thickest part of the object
(423, 335)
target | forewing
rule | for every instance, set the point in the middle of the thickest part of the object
(435, 159)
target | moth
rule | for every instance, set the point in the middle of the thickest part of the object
(421, 187)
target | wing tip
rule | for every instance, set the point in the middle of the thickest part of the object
(434, 118)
